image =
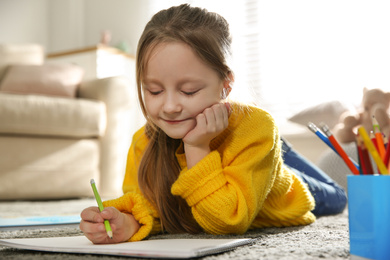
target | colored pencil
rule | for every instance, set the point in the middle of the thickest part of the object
(371, 148)
(373, 140)
(364, 158)
(379, 138)
(317, 131)
(100, 205)
(340, 150)
(360, 159)
(325, 139)
(387, 156)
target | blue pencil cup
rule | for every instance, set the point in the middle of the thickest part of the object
(369, 216)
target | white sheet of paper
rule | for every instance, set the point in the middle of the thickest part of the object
(161, 248)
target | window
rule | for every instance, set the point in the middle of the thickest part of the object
(289, 55)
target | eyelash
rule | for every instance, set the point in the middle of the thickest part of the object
(190, 93)
(155, 93)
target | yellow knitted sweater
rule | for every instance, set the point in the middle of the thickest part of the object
(241, 184)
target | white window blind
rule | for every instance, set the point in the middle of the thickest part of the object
(289, 55)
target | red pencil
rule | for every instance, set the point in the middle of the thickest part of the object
(373, 140)
(387, 155)
(340, 150)
(365, 162)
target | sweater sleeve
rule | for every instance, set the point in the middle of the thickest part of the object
(133, 201)
(142, 211)
(228, 187)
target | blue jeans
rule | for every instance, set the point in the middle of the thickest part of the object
(330, 198)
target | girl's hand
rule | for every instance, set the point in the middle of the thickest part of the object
(209, 124)
(123, 225)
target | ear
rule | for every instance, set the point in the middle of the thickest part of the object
(228, 84)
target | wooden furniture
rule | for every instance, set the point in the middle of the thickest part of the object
(98, 61)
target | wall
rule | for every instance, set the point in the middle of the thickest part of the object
(61, 25)
(123, 18)
(24, 21)
(66, 25)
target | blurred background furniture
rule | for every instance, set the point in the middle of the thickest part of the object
(99, 61)
(52, 142)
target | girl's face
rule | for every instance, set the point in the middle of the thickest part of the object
(177, 87)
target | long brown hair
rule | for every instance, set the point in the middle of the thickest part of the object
(208, 35)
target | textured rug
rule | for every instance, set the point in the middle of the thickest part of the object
(327, 238)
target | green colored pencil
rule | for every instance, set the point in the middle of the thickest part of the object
(100, 205)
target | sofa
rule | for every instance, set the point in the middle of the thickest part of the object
(57, 133)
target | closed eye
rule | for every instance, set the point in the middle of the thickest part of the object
(155, 93)
(190, 93)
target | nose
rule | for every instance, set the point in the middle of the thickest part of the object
(172, 104)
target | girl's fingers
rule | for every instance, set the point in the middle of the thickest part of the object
(226, 112)
(91, 228)
(110, 213)
(228, 108)
(92, 225)
(91, 214)
(221, 116)
(217, 118)
(210, 120)
(201, 121)
(98, 237)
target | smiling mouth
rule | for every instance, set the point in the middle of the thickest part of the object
(174, 121)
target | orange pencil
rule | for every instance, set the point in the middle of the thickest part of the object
(340, 150)
(379, 139)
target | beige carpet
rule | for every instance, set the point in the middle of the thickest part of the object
(327, 238)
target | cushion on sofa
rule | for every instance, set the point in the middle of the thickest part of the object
(51, 116)
(48, 79)
(327, 112)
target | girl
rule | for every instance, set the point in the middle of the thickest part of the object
(200, 163)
